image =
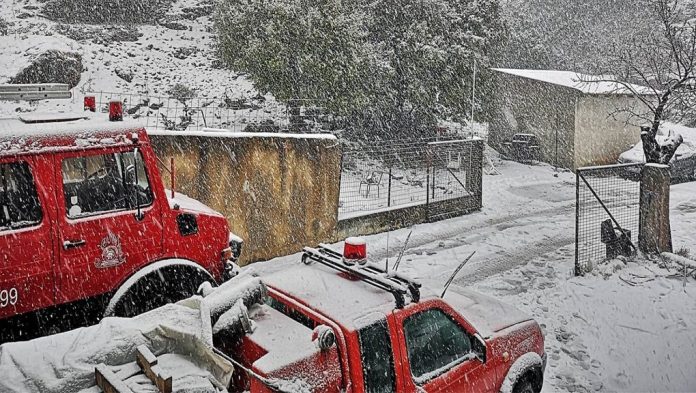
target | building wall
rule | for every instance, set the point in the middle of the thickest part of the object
(279, 193)
(603, 130)
(527, 106)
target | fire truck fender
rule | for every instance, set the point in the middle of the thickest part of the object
(524, 367)
(155, 271)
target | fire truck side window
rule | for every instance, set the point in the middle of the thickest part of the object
(19, 203)
(377, 358)
(435, 343)
(104, 183)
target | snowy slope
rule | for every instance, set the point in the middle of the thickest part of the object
(160, 58)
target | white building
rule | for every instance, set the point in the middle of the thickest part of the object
(578, 119)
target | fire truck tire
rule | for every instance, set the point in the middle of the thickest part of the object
(162, 282)
(524, 386)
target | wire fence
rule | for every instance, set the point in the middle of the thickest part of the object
(234, 114)
(607, 213)
(397, 174)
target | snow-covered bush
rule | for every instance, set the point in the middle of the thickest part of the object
(106, 11)
(388, 67)
(52, 66)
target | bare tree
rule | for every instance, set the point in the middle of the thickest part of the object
(660, 70)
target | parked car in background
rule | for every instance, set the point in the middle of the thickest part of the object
(682, 165)
(522, 147)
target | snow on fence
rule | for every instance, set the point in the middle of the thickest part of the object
(389, 175)
(234, 114)
(607, 208)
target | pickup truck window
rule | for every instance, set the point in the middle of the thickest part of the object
(435, 343)
(377, 358)
(19, 203)
(104, 183)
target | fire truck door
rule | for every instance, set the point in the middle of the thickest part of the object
(111, 222)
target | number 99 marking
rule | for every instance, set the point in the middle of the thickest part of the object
(8, 297)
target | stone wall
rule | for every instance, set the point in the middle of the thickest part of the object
(278, 191)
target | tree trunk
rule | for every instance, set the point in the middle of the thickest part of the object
(655, 234)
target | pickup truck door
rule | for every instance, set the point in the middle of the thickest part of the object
(102, 239)
(26, 238)
(437, 347)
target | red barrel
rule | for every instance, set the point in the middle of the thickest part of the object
(115, 110)
(90, 104)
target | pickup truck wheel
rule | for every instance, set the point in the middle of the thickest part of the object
(162, 286)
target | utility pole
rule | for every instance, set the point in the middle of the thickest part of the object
(473, 98)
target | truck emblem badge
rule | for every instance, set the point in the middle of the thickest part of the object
(112, 253)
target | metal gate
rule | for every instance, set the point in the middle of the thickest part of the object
(607, 213)
(454, 177)
(444, 177)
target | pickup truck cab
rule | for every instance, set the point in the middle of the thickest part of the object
(329, 326)
(87, 227)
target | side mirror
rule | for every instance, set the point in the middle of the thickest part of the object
(324, 337)
(478, 348)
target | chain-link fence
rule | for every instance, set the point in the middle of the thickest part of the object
(607, 213)
(398, 174)
(234, 114)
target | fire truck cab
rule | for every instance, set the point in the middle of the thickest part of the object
(87, 227)
(331, 326)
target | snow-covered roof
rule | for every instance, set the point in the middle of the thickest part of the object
(23, 136)
(586, 84)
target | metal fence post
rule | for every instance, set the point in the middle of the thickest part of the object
(577, 220)
(389, 187)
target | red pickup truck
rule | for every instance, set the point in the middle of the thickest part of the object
(87, 227)
(331, 326)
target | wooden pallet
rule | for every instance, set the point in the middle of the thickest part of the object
(111, 382)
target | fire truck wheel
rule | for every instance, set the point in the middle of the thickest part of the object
(528, 384)
(166, 284)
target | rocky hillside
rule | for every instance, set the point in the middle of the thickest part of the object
(123, 46)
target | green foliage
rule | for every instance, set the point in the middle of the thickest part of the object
(390, 65)
(294, 48)
(425, 52)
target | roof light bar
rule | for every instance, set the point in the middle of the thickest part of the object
(397, 284)
(34, 92)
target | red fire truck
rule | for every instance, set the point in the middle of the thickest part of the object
(328, 325)
(87, 228)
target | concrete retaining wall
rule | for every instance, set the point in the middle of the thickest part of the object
(278, 191)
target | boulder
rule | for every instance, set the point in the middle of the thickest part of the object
(52, 66)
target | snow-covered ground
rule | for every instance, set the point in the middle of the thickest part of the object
(626, 327)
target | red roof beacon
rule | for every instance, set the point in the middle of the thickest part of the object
(355, 251)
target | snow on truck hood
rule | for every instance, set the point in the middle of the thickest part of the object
(486, 314)
(185, 202)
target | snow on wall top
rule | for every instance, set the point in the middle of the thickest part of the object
(222, 133)
(586, 84)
